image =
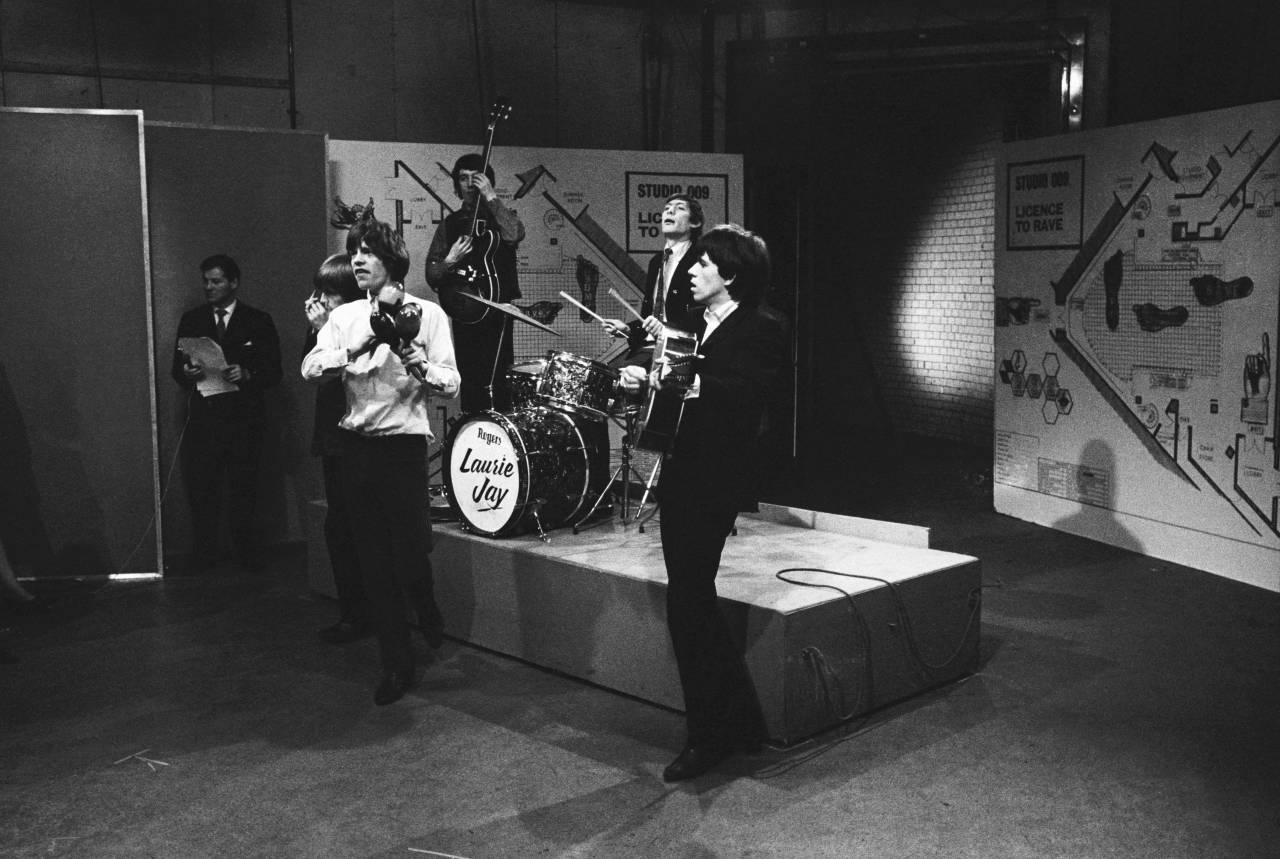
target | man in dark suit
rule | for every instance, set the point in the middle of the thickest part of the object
(668, 293)
(224, 433)
(707, 475)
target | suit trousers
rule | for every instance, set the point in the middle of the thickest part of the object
(224, 450)
(384, 484)
(721, 707)
(484, 353)
(340, 540)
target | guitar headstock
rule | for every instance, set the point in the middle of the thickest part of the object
(498, 111)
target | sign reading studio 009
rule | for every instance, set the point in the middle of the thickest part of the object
(647, 192)
(1045, 199)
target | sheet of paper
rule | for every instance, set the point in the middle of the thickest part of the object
(204, 352)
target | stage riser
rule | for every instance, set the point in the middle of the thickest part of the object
(592, 606)
(841, 660)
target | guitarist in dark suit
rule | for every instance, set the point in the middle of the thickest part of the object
(223, 438)
(668, 294)
(483, 349)
(709, 472)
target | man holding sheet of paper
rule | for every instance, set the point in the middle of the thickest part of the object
(227, 356)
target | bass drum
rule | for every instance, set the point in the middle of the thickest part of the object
(530, 469)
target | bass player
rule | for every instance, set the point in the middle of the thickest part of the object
(483, 348)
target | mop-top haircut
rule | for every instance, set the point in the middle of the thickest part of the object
(742, 258)
(383, 242)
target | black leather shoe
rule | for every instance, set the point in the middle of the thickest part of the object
(693, 762)
(345, 632)
(392, 686)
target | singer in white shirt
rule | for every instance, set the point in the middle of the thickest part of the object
(388, 380)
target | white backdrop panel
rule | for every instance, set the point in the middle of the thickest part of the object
(1137, 272)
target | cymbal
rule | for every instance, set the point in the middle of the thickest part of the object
(512, 310)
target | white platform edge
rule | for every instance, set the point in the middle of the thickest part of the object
(915, 536)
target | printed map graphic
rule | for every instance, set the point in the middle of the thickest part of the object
(1160, 310)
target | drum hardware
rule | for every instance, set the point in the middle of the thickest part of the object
(648, 488)
(624, 472)
(439, 506)
(512, 311)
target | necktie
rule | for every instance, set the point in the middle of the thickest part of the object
(222, 323)
(660, 299)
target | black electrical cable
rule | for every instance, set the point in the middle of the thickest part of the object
(903, 615)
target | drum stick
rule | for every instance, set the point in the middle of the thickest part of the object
(569, 298)
(625, 304)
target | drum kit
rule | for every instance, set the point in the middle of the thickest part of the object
(543, 464)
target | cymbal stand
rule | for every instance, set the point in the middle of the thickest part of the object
(624, 472)
(648, 488)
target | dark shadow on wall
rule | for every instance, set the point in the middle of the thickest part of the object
(22, 528)
(1096, 489)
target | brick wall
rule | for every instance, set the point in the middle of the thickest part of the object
(933, 352)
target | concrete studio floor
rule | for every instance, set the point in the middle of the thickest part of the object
(1124, 707)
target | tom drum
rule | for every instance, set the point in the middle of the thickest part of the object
(576, 384)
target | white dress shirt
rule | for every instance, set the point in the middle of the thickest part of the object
(713, 318)
(383, 398)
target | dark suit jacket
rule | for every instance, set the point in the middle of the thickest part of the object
(251, 341)
(679, 297)
(331, 405)
(715, 453)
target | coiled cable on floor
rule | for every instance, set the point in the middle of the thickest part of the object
(900, 608)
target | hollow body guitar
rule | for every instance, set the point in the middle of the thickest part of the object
(476, 274)
(673, 355)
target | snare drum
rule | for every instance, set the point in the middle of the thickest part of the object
(530, 468)
(522, 381)
(576, 384)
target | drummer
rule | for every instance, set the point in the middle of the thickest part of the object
(668, 289)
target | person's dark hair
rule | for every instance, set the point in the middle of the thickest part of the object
(335, 277)
(742, 258)
(383, 242)
(696, 219)
(471, 161)
(224, 262)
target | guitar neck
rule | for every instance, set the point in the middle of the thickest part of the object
(484, 168)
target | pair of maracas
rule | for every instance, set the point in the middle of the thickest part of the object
(396, 323)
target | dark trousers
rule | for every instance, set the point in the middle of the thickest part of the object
(223, 451)
(340, 539)
(384, 483)
(484, 353)
(720, 703)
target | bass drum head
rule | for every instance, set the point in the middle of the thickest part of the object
(486, 473)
